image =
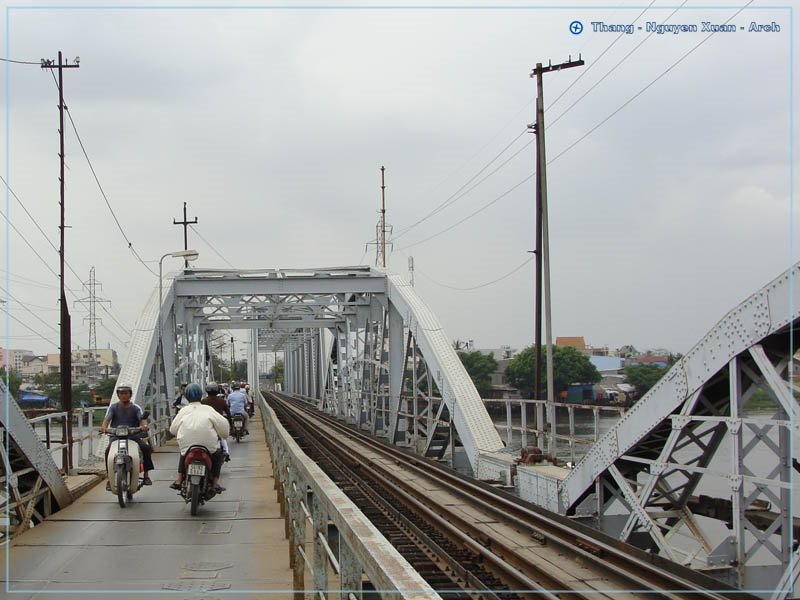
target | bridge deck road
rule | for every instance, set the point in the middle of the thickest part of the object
(236, 542)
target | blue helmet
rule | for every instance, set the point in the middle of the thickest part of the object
(193, 393)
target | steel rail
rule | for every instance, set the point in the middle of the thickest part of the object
(588, 545)
(365, 488)
(546, 585)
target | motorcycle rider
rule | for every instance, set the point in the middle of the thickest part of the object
(126, 413)
(199, 425)
(215, 400)
(237, 403)
(180, 400)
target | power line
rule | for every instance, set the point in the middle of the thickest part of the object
(213, 249)
(476, 287)
(45, 263)
(31, 329)
(69, 266)
(645, 88)
(472, 214)
(595, 61)
(21, 62)
(102, 191)
(455, 196)
(46, 324)
(614, 68)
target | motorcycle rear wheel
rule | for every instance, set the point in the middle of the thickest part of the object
(195, 492)
(122, 492)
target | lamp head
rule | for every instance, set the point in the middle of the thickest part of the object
(187, 255)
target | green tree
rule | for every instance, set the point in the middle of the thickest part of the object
(569, 366)
(643, 377)
(277, 372)
(13, 380)
(480, 368)
(105, 388)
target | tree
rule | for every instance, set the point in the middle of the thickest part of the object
(277, 372)
(12, 380)
(480, 368)
(569, 366)
(105, 388)
(643, 377)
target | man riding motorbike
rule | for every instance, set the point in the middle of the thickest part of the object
(126, 413)
(215, 400)
(199, 425)
(237, 403)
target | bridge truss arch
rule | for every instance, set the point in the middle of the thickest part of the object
(702, 469)
(357, 342)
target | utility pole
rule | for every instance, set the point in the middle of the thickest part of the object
(185, 224)
(66, 334)
(543, 246)
(91, 287)
(380, 255)
(233, 358)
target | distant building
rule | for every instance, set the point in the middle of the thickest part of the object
(645, 359)
(33, 366)
(14, 358)
(105, 358)
(572, 342)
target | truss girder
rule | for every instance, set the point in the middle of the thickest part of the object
(655, 467)
(370, 314)
(27, 468)
(468, 413)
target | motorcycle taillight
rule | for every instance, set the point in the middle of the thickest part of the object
(200, 455)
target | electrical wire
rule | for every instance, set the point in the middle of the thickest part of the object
(46, 324)
(475, 287)
(472, 214)
(31, 329)
(596, 60)
(97, 180)
(614, 68)
(25, 281)
(455, 196)
(45, 263)
(213, 249)
(21, 62)
(645, 88)
(588, 133)
(125, 329)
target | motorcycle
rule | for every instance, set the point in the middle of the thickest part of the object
(197, 487)
(124, 462)
(238, 427)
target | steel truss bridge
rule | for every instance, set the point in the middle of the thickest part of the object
(688, 473)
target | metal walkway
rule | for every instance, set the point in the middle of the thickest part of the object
(235, 543)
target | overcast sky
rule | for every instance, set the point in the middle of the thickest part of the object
(272, 124)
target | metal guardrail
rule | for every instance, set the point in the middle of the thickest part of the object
(306, 493)
(540, 434)
(84, 432)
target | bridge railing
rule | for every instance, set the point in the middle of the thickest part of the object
(87, 442)
(307, 495)
(538, 432)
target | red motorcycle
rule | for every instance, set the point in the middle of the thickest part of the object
(197, 486)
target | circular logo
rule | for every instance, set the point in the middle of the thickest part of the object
(576, 28)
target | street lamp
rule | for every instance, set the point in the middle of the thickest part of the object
(187, 255)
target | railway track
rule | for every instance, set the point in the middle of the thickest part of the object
(463, 536)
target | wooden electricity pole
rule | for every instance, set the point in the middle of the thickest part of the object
(543, 247)
(65, 333)
(185, 224)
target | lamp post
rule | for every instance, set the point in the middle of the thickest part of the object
(187, 255)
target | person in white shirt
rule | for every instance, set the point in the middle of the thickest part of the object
(199, 425)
